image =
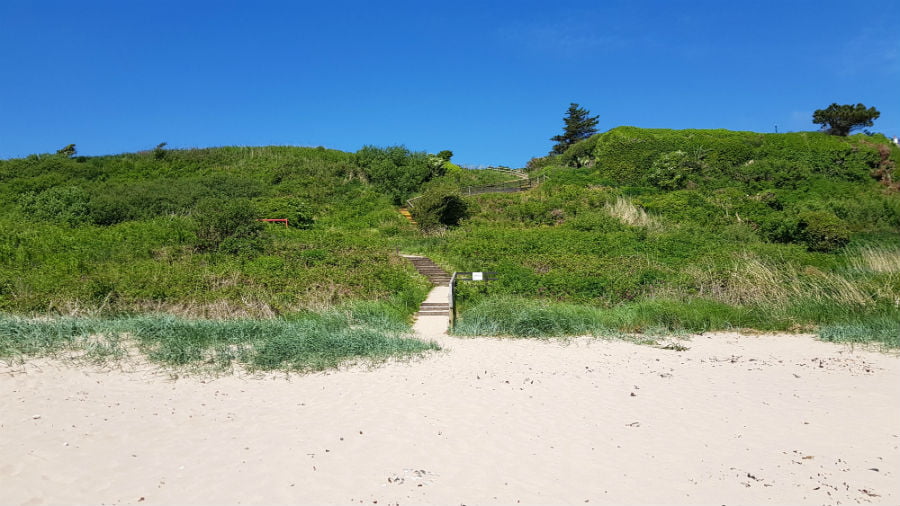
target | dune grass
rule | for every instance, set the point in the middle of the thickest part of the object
(511, 316)
(519, 317)
(884, 330)
(305, 343)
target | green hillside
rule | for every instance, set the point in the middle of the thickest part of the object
(633, 230)
(646, 230)
(175, 232)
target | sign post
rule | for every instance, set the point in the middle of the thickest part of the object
(465, 276)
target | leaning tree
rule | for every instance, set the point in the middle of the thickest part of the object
(843, 119)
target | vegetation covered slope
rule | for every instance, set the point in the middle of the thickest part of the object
(692, 229)
(634, 230)
(175, 231)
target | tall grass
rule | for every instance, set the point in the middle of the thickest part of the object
(858, 304)
(876, 259)
(628, 213)
(756, 281)
(511, 316)
(311, 342)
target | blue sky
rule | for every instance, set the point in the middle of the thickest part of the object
(488, 80)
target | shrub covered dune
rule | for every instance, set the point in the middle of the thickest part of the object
(642, 230)
(633, 231)
(174, 232)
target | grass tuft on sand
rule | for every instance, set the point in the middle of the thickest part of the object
(306, 343)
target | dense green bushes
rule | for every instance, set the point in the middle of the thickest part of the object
(396, 171)
(58, 204)
(298, 213)
(687, 230)
(710, 158)
(822, 231)
(228, 225)
(178, 233)
(439, 206)
(677, 230)
(818, 230)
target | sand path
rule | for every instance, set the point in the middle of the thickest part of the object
(732, 420)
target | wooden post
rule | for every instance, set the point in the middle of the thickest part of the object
(452, 302)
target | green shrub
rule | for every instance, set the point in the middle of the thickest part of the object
(779, 227)
(626, 154)
(672, 171)
(822, 231)
(298, 213)
(60, 204)
(541, 162)
(682, 205)
(580, 154)
(772, 173)
(396, 171)
(532, 212)
(117, 202)
(438, 206)
(227, 225)
(109, 209)
(595, 221)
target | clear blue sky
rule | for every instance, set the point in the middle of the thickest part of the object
(488, 80)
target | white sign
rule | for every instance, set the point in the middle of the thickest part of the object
(477, 276)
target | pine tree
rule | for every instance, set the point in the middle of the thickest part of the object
(578, 126)
(843, 119)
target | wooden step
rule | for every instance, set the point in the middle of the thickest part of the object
(435, 274)
(406, 214)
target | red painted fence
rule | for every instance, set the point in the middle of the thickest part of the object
(276, 220)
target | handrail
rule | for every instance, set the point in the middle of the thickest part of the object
(519, 173)
(451, 313)
(513, 185)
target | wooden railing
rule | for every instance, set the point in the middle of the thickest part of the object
(521, 183)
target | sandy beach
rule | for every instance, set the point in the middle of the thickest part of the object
(732, 419)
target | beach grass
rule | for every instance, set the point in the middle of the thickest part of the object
(520, 317)
(309, 342)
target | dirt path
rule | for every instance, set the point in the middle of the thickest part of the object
(733, 419)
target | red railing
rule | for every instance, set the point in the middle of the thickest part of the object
(276, 220)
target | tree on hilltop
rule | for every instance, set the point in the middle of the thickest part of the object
(843, 119)
(445, 155)
(68, 151)
(578, 125)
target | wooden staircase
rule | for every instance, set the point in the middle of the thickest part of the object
(438, 277)
(405, 213)
(434, 309)
(430, 270)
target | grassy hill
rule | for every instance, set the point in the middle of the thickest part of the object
(634, 230)
(645, 230)
(174, 232)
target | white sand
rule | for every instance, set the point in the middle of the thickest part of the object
(733, 420)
